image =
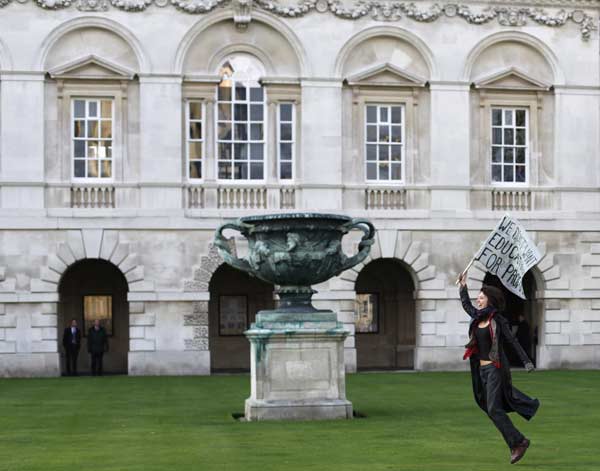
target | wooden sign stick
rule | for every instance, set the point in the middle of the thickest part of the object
(465, 270)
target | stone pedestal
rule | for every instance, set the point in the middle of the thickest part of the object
(297, 367)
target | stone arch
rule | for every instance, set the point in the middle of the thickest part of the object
(516, 37)
(387, 31)
(203, 273)
(219, 57)
(92, 244)
(259, 20)
(6, 62)
(143, 62)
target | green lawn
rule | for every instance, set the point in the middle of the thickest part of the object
(415, 421)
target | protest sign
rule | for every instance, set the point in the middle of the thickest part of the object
(508, 253)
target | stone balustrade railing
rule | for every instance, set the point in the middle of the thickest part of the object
(287, 198)
(511, 200)
(241, 197)
(385, 198)
(91, 196)
(194, 197)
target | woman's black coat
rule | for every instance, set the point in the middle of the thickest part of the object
(514, 400)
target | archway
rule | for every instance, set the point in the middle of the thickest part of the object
(385, 316)
(235, 298)
(528, 328)
(93, 288)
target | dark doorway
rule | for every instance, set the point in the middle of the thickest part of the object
(235, 298)
(522, 315)
(98, 288)
(385, 316)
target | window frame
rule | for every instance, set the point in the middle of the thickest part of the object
(186, 139)
(503, 183)
(292, 142)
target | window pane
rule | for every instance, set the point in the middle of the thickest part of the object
(224, 93)
(256, 94)
(240, 151)
(256, 112)
(396, 171)
(240, 92)
(285, 112)
(509, 137)
(396, 133)
(372, 133)
(240, 171)
(92, 169)
(508, 173)
(106, 110)
(224, 151)
(509, 156)
(79, 168)
(106, 129)
(520, 173)
(286, 132)
(224, 131)
(371, 152)
(520, 117)
(241, 132)
(79, 128)
(384, 153)
(520, 155)
(496, 154)
(508, 121)
(92, 109)
(396, 152)
(371, 114)
(496, 173)
(285, 151)
(195, 110)
(256, 151)
(196, 130)
(196, 169)
(497, 136)
(225, 111)
(372, 171)
(384, 171)
(79, 149)
(256, 132)
(396, 114)
(520, 137)
(92, 128)
(195, 149)
(286, 170)
(105, 149)
(384, 133)
(79, 109)
(92, 149)
(106, 169)
(256, 171)
(383, 114)
(224, 170)
(496, 117)
(241, 112)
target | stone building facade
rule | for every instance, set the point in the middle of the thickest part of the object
(130, 129)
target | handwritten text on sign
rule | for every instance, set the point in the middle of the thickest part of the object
(508, 253)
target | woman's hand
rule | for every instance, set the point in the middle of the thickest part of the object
(462, 279)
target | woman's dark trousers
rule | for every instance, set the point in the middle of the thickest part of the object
(491, 377)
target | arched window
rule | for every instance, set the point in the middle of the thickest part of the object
(241, 120)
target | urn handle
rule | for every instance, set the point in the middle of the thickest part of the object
(223, 246)
(364, 246)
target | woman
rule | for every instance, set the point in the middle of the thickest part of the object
(490, 372)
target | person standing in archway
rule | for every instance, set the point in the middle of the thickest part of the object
(97, 345)
(490, 369)
(72, 343)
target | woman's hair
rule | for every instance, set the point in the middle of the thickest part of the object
(495, 297)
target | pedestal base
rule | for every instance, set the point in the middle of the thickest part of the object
(297, 367)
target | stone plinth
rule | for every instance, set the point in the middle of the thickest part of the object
(297, 367)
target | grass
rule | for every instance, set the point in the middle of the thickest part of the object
(421, 421)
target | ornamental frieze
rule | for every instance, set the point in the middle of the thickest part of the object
(509, 13)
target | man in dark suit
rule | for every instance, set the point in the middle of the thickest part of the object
(97, 345)
(72, 342)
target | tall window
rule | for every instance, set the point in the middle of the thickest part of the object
(286, 141)
(92, 138)
(384, 143)
(195, 138)
(509, 145)
(241, 121)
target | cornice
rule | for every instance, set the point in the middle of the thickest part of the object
(514, 13)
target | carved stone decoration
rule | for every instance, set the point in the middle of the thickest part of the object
(54, 4)
(92, 5)
(131, 5)
(3, 3)
(197, 6)
(242, 13)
